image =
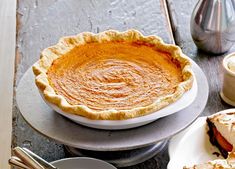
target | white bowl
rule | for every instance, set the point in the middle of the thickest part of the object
(82, 163)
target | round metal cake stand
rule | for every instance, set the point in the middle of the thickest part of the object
(120, 147)
(122, 158)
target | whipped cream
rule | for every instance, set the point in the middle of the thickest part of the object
(231, 63)
(225, 124)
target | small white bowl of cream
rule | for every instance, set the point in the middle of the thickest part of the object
(231, 63)
(228, 89)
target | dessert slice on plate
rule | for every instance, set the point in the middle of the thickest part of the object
(222, 131)
(228, 163)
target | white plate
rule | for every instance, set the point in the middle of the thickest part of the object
(82, 163)
(192, 146)
(180, 104)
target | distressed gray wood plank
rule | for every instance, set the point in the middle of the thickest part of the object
(180, 12)
(42, 23)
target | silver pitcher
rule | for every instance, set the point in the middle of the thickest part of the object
(213, 25)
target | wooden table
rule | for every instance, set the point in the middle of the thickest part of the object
(41, 23)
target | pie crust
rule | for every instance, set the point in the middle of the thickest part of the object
(53, 65)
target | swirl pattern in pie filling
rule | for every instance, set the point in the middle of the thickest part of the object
(114, 75)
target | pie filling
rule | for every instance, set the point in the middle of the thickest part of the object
(218, 140)
(114, 75)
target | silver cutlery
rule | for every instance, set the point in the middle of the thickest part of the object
(26, 159)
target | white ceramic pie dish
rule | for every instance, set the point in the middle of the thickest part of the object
(192, 146)
(180, 104)
(82, 163)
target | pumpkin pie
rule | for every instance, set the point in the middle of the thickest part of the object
(112, 75)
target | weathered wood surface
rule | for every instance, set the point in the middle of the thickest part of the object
(7, 60)
(42, 23)
(180, 12)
